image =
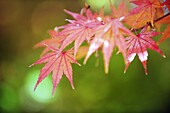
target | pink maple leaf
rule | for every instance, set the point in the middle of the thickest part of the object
(53, 42)
(58, 64)
(79, 30)
(139, 45)
(109, 35)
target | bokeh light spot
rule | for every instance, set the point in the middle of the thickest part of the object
(43, 92)
(97, 4)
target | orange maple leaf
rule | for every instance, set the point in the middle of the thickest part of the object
(166, 35)
(143, 13)
(166, 32)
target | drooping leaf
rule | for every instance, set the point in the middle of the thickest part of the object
(109, 35)
(58, 64)
(139, 45)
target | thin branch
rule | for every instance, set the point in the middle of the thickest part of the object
(158, 19)
(162, 17)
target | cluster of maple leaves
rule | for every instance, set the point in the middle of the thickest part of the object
(131, 32)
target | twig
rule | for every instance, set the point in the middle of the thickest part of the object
(162, 17)
(148, 23)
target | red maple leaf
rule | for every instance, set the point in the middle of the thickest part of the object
(139, 45)
(58, 64)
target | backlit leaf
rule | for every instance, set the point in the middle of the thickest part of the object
(139, 45)
(58, 64)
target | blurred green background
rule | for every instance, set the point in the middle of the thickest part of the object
(23, 23)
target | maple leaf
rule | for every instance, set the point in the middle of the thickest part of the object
(82, 51)
(79, 30)
(110, 35)
(116, 12)
(164, 20)
(144, 12)
(58, 64)
(166, 35)
(53, 35)
(105, 33)
(139, 45)
(53, 42)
